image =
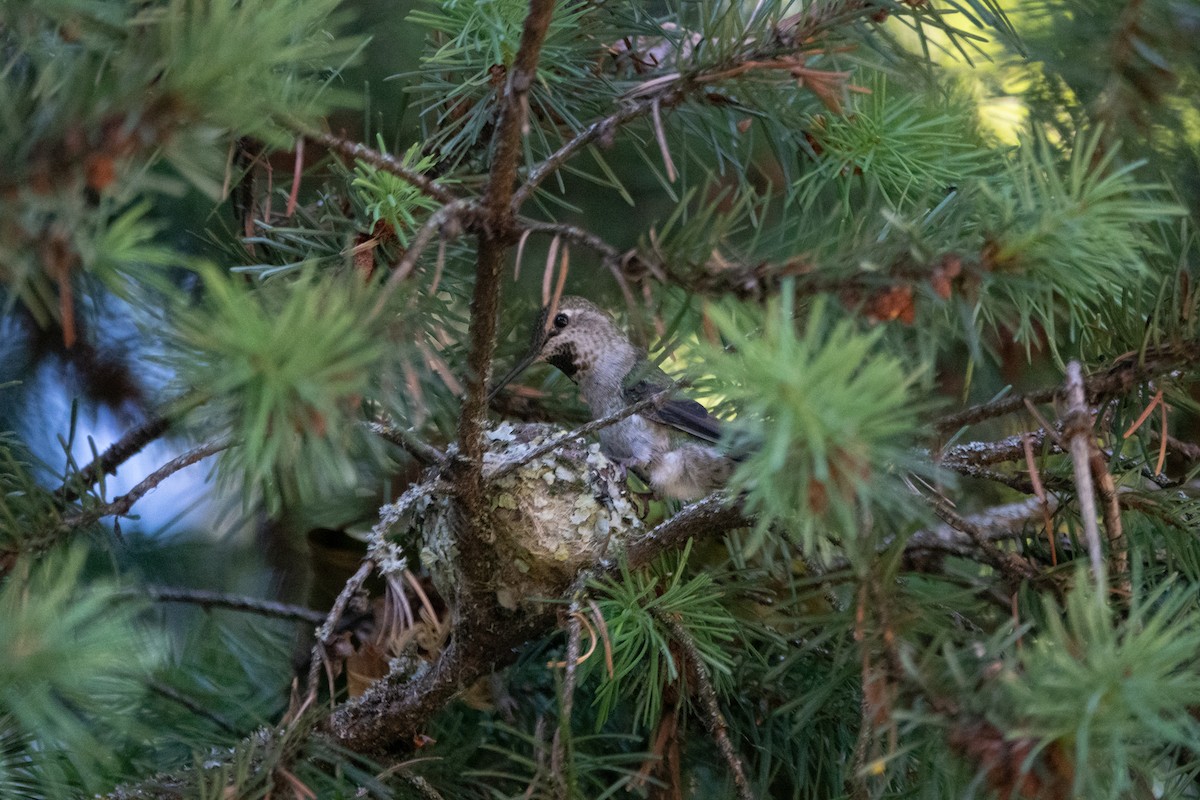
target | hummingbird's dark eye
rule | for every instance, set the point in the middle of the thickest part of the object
(560, 321)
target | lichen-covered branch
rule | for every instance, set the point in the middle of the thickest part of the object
(121, 505)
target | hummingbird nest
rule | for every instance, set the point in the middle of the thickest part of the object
(551, 516)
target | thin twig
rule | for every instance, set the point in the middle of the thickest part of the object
(717, 724)
(1015, 568)
(1077, 430)
(350, 149)
(598, 130)
(120, 451)
(121, 505)
(175, 696)
(558, 753)
(1040, 491)
(422, 451)
(1189, 450)
(325, 632)
(459, 211)
(584, 430)
(208, 600)
(572, 233)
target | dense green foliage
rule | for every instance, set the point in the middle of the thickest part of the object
(843, 221)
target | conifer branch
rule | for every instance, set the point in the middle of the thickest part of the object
(1124, 375)
(116, 454)
(667, 91)
(386, 162)
(209, 600)
(121, 505)
(714, 717)
(600, 130)
(422, 451)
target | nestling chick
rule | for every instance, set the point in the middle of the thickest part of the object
(586, 344)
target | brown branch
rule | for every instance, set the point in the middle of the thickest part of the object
(382, 161)
(1040, 491)
(600, 130)
(121, 505)
(120, 451)
(573, 233)
(208, 600)
(494, 239)
(1121, 377)
(1189, 450)
(558, 752)
(712, 516)
(396, 708)
(458, 211)
(1012, 566)
(175, 696)
(717, 724)
(325, 633)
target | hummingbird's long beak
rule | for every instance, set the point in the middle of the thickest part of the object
(512, 374)
(537, 342)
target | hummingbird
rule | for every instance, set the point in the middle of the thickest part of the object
(670, 445)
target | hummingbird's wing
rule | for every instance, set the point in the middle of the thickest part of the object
(679, 412)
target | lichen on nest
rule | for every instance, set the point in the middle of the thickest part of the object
(551, 516)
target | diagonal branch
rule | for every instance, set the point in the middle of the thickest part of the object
(120, 451)
(601, 129)
(422, 451)
(382, 161)
(586, 430)
(121, 505)
(447, 220)
(717, 724)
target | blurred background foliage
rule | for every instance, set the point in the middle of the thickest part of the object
(851, 218)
